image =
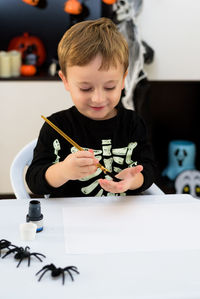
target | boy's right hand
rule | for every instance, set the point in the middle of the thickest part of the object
(79, 165)
(75, 166)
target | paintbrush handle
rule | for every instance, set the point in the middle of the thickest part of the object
(106, 171)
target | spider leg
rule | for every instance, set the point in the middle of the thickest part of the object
(36, 253)
(37, 256)
(75, 269)
(72, 278)
(42, 273)
(10, 251)
(63, 277)
(19, 262)
(29, 260)
(45, 267)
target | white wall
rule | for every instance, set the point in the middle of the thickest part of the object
(21, 106)
(172, 29)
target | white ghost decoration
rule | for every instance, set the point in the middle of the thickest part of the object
(188, 182)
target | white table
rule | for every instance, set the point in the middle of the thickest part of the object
(154, 274)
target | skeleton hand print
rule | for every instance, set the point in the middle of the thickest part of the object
(56, 146)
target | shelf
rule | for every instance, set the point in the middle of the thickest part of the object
(41, 76)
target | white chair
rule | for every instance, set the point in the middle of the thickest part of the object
(24, 158)
(153, 190)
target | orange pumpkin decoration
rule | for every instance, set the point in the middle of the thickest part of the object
(31, 2)
(109, 1)
(28, 70)
(73, 7)
(25, 41)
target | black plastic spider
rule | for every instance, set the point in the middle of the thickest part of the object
(5, 244)
(58, 271)
(22, 253)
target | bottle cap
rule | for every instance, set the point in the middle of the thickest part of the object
(34, 214)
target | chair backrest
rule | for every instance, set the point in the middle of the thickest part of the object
(153, 190)
(22, 159)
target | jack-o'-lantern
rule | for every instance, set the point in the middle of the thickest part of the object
(73, 7)
(109, 1)
(29, 44)
(31, 2)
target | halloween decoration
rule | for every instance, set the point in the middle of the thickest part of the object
(5, 244)
(58, 271)
(73, 7)
(31, 2)
(181, 156)
(188, 182)
(85, 12)
(125, 16)
(42, 4)
(22, 253)
(28, 70)
(29, 44)
(109, 1)
(54, 67)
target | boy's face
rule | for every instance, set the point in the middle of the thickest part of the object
(95, 92)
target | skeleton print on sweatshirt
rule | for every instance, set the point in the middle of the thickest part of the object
(118, 143)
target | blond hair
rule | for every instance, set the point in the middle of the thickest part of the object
(85, 40)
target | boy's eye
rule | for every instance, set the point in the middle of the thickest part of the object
(110, 88)
(85, 89)
(90, 89)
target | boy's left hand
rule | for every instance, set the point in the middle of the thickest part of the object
(131, 178)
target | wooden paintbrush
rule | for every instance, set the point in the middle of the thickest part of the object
(106, 171)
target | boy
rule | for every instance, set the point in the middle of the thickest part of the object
(93, 58)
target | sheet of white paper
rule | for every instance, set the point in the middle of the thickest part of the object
(128, 227)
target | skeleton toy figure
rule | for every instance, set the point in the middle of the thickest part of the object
(127, 9)
(125, 14)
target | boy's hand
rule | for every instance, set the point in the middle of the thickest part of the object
(79, 165)
(132, 178)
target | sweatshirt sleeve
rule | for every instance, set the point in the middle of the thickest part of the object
(43, 158)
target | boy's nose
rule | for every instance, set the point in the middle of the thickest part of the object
(98, 97)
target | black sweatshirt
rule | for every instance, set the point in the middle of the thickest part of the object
(118, 143)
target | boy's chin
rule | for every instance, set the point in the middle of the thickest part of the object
(101, 117)
(96, 114)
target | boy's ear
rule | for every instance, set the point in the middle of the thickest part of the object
(64, 79)
(123, 82)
